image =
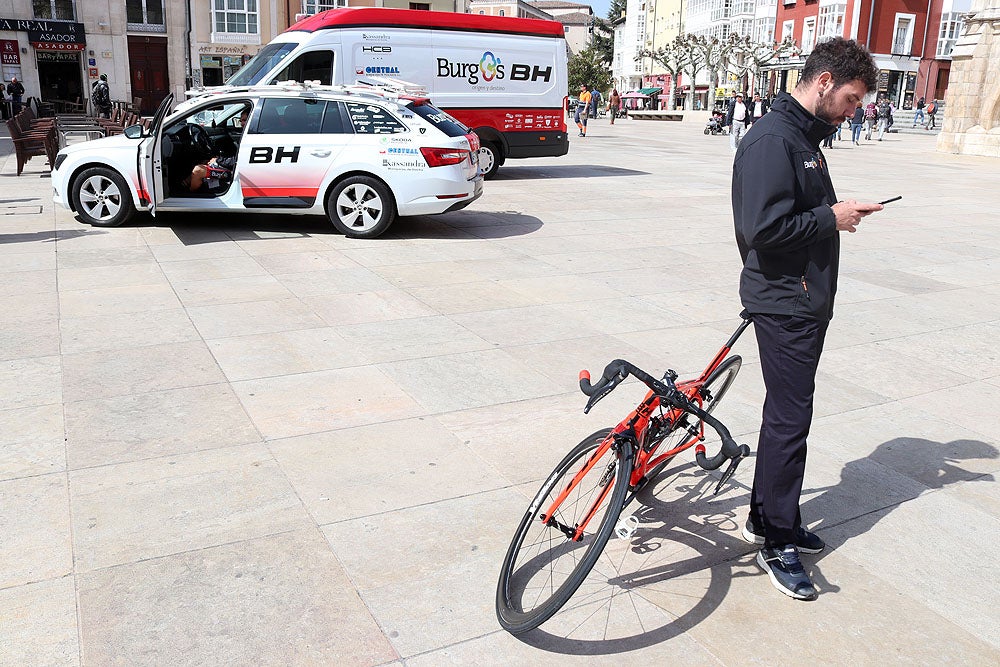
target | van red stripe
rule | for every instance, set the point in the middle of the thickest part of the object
(378, 18)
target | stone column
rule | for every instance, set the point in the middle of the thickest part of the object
(972, 126)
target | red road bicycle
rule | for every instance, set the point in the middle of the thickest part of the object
(575, 512)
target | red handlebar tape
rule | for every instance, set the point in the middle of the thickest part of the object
(585, 374)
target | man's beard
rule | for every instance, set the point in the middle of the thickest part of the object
(825, 111)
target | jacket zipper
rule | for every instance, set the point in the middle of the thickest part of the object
(805, 288)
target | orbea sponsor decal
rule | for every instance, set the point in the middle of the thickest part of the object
(490, 67)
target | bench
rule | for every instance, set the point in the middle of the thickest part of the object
(655, 115)
(29, 142)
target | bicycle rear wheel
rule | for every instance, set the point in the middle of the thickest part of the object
(543, 566)
(719, 381)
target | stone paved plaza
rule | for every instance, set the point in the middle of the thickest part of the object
(246, 440)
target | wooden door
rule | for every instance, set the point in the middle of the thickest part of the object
(148, 63)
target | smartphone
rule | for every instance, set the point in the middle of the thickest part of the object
(896, 198)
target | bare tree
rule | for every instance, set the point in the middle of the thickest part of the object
(695, 63)
(673, 58)
(715, 53)
(750, 56)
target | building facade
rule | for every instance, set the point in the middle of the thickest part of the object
(147, 48)
(518, 8)
(630, 39)
(910, 40)
(577, 20)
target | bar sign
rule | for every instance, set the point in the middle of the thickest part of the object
(9, 54)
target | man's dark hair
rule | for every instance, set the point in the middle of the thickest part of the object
(845, 59)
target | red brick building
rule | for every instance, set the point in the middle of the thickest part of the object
(911, 40)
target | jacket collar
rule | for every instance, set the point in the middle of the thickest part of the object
(814, 129)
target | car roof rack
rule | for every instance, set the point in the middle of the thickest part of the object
(374, 87)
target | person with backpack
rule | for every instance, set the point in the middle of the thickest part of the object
(931, 112)
(101, 96)
(884, 116)
(871, 117)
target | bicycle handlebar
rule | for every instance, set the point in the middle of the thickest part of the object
(619, 369)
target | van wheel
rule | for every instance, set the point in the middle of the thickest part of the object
(361, 207)
(490, 159)
(101, 197)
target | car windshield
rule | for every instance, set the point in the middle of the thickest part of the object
(440, 119)
(261, 64)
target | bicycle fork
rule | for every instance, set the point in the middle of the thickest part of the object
(625, 446)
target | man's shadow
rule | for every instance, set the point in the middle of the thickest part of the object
(898, 471)
(698, 535)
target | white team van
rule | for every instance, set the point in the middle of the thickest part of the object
(504, 77)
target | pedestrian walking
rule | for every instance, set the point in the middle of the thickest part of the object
(932, 109)
(595, 102)
(857, 122)
(918, 115)
(16, 92)
(737, 120)
(757, 109)
(582, 109)
(788, 220)
(614, 104)
(884, 117)
(871, 118)
(100, 95)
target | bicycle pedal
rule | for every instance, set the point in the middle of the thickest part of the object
(626, 527)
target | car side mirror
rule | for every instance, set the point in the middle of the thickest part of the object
(134, 131)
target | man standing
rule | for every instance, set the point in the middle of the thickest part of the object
(582, 110)
(758, 109)
(16, 92)
(737, 119)
(788, 219)
(101, 96)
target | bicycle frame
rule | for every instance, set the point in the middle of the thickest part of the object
(635, 429)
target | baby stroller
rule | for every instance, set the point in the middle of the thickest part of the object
(714, 124)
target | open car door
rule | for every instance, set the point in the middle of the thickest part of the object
(151, 158)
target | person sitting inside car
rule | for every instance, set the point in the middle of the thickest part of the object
(211, 173)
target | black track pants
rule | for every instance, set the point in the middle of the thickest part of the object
(790, 348)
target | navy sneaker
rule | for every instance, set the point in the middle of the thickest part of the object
(805, 542)
(786, 571)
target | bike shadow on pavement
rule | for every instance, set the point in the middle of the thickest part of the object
(678, 566)
(200, 228)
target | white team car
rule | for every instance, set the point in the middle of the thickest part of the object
(360, 154)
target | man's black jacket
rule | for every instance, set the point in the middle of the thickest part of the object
(785, 228)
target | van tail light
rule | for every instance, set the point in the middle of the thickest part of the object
(440, 157)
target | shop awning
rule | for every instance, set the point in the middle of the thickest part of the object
(650, 91)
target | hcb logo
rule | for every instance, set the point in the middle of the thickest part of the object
(263, 154)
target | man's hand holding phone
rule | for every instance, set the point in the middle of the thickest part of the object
(850, 212)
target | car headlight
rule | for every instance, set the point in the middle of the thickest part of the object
(60, 158)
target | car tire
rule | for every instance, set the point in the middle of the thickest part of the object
(101, 197)
(361, 207)
(490, 159)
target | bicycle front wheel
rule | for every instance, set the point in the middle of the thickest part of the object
(544, 566)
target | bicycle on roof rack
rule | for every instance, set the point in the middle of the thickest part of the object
(574, 513)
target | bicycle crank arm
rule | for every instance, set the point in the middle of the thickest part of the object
(731, 470)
